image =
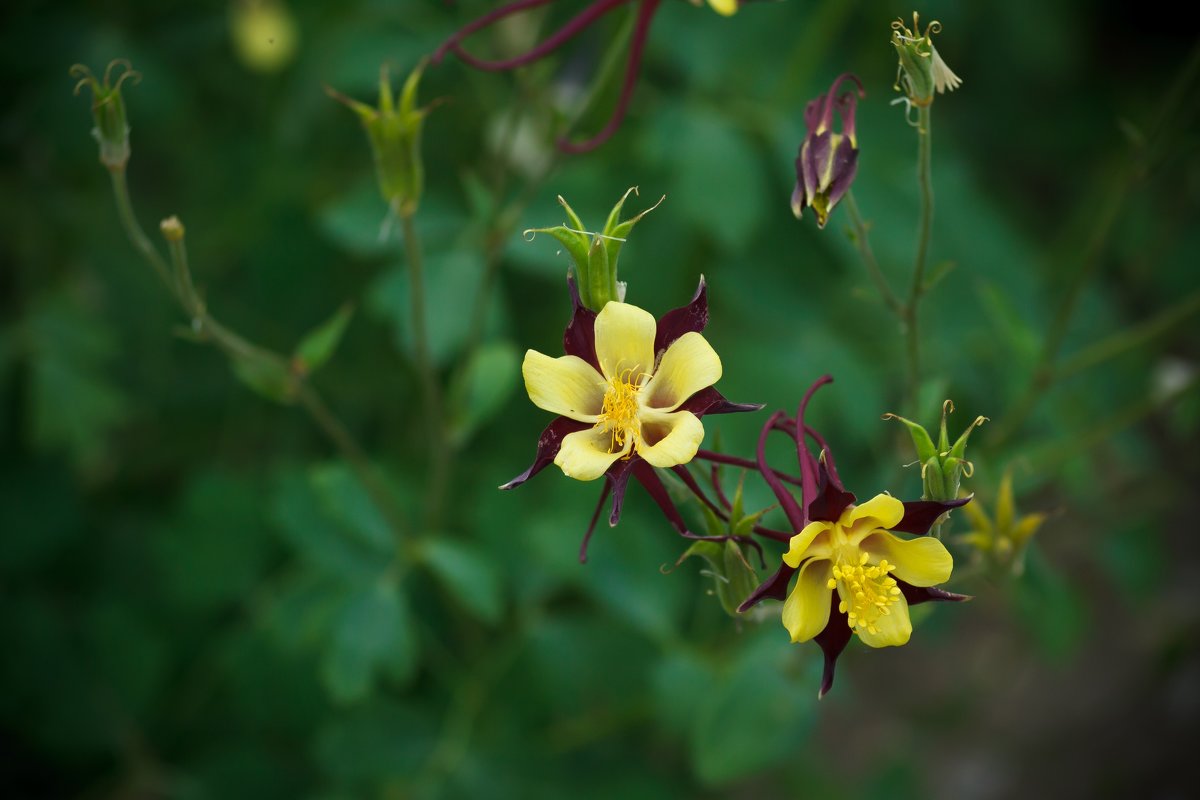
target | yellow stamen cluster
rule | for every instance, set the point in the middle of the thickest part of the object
(619, 413)
(871, 591)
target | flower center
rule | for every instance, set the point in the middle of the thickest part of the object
(868, 593)
(619, 413)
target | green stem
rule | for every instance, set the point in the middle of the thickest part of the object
(862, 239)
(133, 230)
(912, 314)
(205, 328)
(1045, 373)
(508, 215)
(333, 428)
(439, 448)
(1130, 338)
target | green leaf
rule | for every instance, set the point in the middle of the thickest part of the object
(302, 518)
(73, 402)
(920, 438)
(372, 635)
(467, 574)
(756, 714)
(266, 377)
(481, 389)
(346, 501)
(318, 346)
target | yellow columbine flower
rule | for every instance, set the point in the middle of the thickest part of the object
(861, 559)
(632, 402)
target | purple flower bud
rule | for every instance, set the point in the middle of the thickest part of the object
(828, 160)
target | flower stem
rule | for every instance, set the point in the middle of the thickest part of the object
(133, 230)
(862, 238)
(178, 280)
(924, 228)
(439, 448)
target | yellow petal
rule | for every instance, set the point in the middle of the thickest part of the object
(892, 629)
(924, 561)
(726, 8)
(585, 455)
(567, 385)
(689, 365)
(625, 341)
(1027, 527)
(881, 511)
(806, 610)
(669, 439)
(1005, 507)
(802, 541)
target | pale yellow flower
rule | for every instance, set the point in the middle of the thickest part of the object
(632, 402)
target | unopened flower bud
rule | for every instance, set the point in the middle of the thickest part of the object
(108, 110)
(828, 161)
(394, 130)
(594, 253)
(922, 71)
(942, 466)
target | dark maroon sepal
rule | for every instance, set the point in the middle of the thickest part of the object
(774, 587)
(687, 319)
(915, 595)
(547, 448)
(579, 338)
(649, 480)
(833, 640)
(831, 499)
(710, 401)
(618, 479)
(591, 528)
(919, 515)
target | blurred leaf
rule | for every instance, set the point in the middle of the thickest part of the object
(467, 574)
(1136, 558)
(680, 678)
(301, 514)
(480, 390)
(266, 377)
(301, 609)
(363, 745)
(129, 655)
(372, 636)
(318, 346)
(755, 715)
(42, 515)
(345, 500)
(452, 280)
(212, 550)
(718, 182)
(1050, 607)
(74, 404)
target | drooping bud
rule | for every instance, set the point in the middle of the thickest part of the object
(108, 110)
(921, 71)
(828, 160)
(594, 254)
(943, 466)
(394, 130)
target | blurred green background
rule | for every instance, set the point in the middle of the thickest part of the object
(200, 601)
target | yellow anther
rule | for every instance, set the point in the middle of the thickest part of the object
(867, 591)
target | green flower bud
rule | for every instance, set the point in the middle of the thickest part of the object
(921, 71)
(394, 130)
(594, 254)
(944, 465)
(108, 110)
